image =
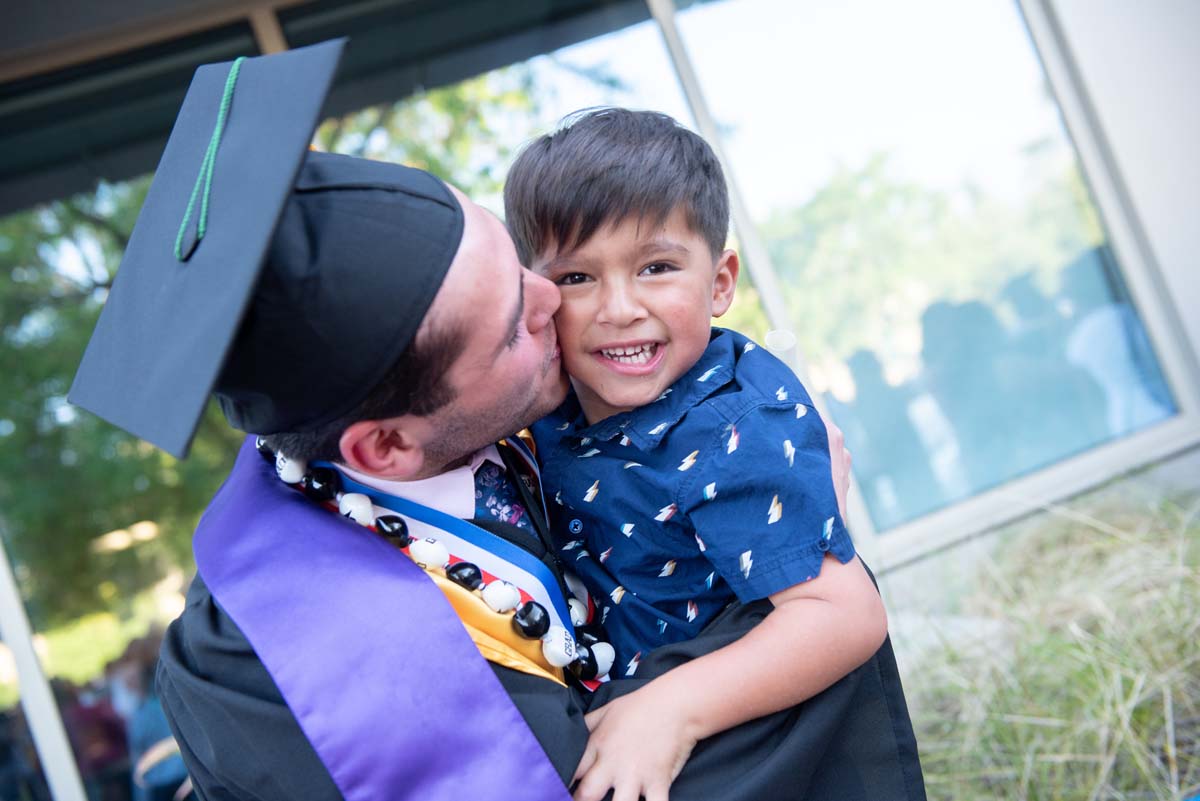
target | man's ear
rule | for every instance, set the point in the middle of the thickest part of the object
(387, 448)
(725, 282)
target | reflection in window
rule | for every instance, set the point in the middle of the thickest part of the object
(944, 267)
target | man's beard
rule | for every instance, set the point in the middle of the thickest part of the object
(461, 434)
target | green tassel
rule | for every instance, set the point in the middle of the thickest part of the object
(204, 179)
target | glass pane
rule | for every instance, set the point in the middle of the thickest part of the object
(21, 776)
(946, 272)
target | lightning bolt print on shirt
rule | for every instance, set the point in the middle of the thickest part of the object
(717, 492)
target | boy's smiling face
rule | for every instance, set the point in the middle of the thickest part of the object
(637, 307)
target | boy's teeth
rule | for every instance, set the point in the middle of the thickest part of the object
(639, 354)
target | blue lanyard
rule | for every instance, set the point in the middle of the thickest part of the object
(466, 531)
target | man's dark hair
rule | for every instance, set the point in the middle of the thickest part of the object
(416, 384)
(605, 165)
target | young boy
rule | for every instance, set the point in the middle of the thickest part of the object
(689, 467)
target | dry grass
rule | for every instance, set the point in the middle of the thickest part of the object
(1089, 685)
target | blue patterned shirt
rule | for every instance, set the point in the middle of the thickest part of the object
(719, 490)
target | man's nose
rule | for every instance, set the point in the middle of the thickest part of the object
(542, 299)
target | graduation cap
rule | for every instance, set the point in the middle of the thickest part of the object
(286, 281)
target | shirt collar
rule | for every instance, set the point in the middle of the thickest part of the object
(647, 425)
(451, 492)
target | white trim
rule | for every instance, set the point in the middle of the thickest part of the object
(41, 713)
(958, 522)
(758, 259)
(487, 561)
(942, 529)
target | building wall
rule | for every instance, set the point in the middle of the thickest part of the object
(1139, 64)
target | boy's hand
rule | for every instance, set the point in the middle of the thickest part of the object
(639, 743)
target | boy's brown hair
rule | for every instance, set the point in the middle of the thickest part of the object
(604, 165)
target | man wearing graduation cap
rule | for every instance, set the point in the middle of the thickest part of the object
(357, 629)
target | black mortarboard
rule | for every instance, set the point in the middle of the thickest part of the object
(310, 277)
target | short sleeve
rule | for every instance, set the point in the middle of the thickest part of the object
(762, 502)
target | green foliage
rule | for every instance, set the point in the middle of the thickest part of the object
(1091, 689)
(464, 133)
(79, 649)
(858, 263)
(67, 477)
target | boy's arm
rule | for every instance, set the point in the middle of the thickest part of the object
(768, 491)
(819, 631)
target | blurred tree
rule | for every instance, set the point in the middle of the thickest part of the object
(68, 478)
(466, 133)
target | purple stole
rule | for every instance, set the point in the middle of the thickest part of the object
(366, 650)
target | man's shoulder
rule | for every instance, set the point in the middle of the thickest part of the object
(205, 644)
(236, 734)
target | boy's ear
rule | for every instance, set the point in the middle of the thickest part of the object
(386, 448)
(725, 282)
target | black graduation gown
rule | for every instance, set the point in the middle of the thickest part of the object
(240, 741)
(852, 742)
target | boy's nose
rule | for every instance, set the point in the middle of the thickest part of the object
(620, 305)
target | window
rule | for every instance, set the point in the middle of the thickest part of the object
(946, 273)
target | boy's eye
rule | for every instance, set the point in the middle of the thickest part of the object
(570, 279)
(657, 268)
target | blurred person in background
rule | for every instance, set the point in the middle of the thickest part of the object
(97, 738)
(157, 769)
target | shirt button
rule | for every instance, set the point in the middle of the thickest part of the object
(823, 544)
(576, 526)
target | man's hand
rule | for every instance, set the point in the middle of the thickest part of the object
(839, 459)
(639, 743)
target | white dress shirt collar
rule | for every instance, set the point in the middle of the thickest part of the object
(451, 492)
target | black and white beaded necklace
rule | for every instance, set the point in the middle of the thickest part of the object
(584, 652)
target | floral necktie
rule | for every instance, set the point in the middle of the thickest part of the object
(496, 498)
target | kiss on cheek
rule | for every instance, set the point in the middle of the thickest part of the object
(637, 309)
